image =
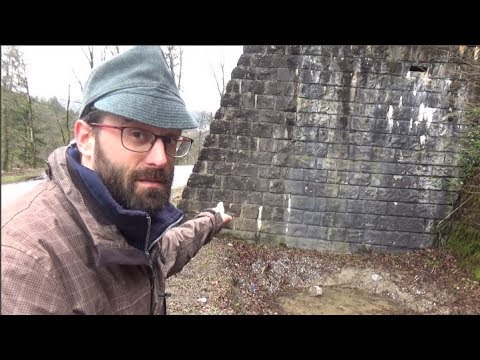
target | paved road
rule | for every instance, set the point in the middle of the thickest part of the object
(12, 191)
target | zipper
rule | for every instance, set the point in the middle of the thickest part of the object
(152, 274)
(151, 270)
(149, 228)
(153, 243)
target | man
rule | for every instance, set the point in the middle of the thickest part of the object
(100, 236)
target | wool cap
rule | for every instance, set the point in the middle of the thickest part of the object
(138, 85)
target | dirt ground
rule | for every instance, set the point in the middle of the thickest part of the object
(231, 276)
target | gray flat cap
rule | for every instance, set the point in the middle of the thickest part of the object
(138, 85)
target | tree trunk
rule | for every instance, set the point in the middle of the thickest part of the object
(67, 125)
(5, 136)
(31, 128)
(180, 65)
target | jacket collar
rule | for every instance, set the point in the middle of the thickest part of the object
(111, 226)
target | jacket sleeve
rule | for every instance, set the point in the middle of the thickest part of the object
(183, 242)
(28, 288)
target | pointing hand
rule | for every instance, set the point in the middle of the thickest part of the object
(221, 209)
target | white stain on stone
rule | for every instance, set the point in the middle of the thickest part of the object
(399, 103)
(428, 115)
(425, 114)
(425, 78)
(259, 218)
(288, 210)
(255, 102)
(353, 91)
(408, 75)
(420, 112)
(422, 139)
(411, 124)
(390, 117)
(354, 79)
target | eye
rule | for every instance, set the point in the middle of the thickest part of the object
(137, 135)
(168, 140)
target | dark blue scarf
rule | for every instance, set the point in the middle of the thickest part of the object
(133, 224)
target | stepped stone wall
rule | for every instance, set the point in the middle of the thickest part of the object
(335, 147)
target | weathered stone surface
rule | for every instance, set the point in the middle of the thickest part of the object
(334, 147)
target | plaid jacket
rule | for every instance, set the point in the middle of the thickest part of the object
(58, 259)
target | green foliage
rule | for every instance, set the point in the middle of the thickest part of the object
(470, 153)
(476, 272)
(49, 127)
(461, 231)
(464, 241)
(31, 128)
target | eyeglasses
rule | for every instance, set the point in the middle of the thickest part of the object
(141, 140)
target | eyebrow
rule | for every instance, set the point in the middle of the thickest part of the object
(136, 124)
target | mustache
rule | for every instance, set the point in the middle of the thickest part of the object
(154, 174)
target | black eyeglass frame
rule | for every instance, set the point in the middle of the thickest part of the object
(162, 137)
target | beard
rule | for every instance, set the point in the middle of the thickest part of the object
(121, 184)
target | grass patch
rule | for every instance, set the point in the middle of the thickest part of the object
(465, 244)
(462, 231)
(20, 175)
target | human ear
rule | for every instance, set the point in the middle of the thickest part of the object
(85, 139)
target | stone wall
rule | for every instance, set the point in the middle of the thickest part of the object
(334, 147)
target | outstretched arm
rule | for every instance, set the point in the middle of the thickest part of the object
(183, 242)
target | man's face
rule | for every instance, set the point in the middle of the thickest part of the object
(140, 181)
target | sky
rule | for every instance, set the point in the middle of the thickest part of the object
(51, 69)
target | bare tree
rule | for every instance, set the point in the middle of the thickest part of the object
(31, 143)
(89, 54)
(103, 54)
(78, 80)
(109, 51)
(114, 50)
(220, 83)
(204, 119)
(174, 58)
(180, 67)
(64, 133)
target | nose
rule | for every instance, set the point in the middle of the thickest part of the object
(157, 155)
